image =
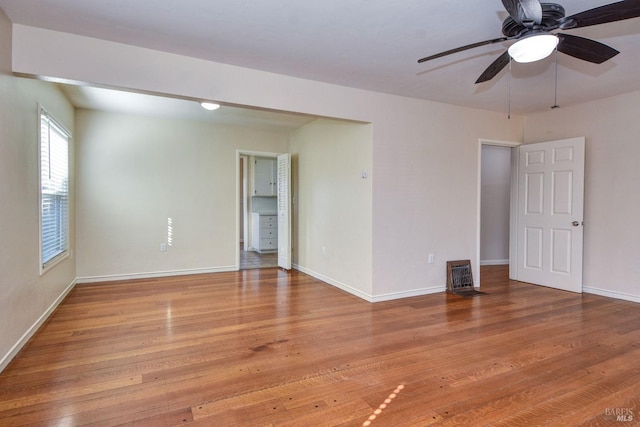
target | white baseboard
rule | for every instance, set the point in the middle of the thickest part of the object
(367, 297)
(494, 262)
(337, 284)
(7, 358)
(611, 294)
(151, 275)
(408, 294)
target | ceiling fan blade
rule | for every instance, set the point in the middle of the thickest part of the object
(524, 11)
(617, 11)
(585, 49)
(462, 48)
(495, 67)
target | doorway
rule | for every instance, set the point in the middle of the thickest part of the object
(496, 198)
(546, 208)
(495, 205)
(252, 211)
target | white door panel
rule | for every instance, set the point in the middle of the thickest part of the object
(533, 248)
(550, 204)
(284, 211)
(535, 193)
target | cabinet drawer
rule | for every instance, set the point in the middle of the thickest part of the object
(268, 221)
(268, 233)
(269, 243)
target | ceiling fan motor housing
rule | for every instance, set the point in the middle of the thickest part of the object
(551, 13)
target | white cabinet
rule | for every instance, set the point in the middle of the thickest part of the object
(264, 177)
(264, 232)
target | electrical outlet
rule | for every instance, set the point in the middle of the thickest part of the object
(163, 247)
(430, 259)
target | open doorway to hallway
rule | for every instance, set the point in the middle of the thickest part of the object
(257, 211)
(497, 193)
(495, 204)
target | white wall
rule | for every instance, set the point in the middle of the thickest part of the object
(332, 203)
(134, 172)
(612, 197)
(495, 205)
(26, 298)
(424, 153)
(425, 196)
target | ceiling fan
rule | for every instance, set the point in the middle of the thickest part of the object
(532, 23)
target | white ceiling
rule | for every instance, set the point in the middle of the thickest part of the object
(368, 44)
(117, 101)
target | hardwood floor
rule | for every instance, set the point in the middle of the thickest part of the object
(269, 348)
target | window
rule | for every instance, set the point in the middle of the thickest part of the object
(54, 191)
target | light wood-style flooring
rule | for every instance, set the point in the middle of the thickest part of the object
(269, 348)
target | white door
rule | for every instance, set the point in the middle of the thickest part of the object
(284, 211)
(550, 214)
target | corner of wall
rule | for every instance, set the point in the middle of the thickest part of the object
(15, 349)
(6, 43)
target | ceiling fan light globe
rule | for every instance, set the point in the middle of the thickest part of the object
(209, 106)
(533, 48)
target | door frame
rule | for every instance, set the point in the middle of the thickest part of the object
(247, 153)
(513, 205)
(244, 159)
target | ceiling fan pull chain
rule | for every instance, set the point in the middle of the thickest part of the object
(555, 89)
(509, 92)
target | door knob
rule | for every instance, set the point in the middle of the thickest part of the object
(575, 223)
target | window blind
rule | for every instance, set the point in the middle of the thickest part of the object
(54, 189)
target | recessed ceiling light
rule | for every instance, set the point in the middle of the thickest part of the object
(533, 48)
(209, 106)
